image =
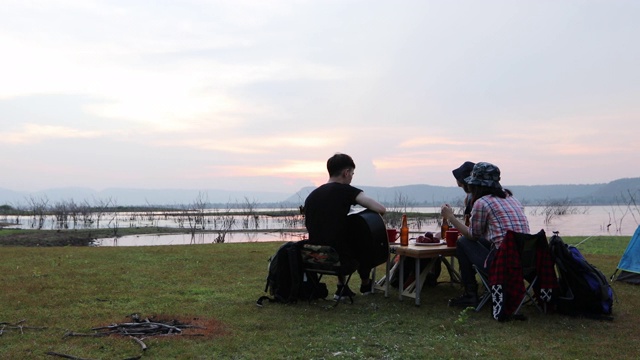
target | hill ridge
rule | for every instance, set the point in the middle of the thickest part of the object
(613, 192)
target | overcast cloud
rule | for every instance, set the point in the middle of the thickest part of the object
(256, 95)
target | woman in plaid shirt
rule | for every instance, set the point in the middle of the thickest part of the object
(494, 211)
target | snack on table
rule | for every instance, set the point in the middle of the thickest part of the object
(427, 238)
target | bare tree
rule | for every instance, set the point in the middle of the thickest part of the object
(227, 222)
(195, 213)
(101, 207)
(251, 216)
(113, 223)
(74, 213)
(399, 206)
(38, 209)
(627, 205)
(554, 208)
(60, 211)
(291, 218)
(86, 214)
(150, 214)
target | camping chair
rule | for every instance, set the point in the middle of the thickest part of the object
(525, 250)
(324, 260)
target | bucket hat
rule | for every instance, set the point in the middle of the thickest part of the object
(485, 174)
(463, 172)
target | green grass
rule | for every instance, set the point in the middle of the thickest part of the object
(77, 288)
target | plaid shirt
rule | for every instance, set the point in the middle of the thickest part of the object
(492, 217)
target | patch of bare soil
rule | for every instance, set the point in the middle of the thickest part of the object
(162, 325)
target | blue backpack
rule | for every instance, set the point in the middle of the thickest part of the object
(584, 290)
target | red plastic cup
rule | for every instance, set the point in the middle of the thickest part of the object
(452, 236)
(392, 235)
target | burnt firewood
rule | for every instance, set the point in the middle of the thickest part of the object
(71, 333)
(53, 353)
(140, 342)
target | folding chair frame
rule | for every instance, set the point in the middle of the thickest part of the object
(487, 295)
(328, 267)
(531, 280)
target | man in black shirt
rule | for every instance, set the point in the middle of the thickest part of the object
(326, 209)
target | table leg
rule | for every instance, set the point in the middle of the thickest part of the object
(386, 280)
(415, 288)
(401, 278)
(418, 282)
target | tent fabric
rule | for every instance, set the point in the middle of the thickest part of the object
(629, 265)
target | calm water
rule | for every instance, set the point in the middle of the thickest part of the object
(583, 221)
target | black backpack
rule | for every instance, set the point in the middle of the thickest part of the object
(286, 279)
(584, 290)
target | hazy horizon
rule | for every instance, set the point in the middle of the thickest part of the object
(267, 190)
(418, 193)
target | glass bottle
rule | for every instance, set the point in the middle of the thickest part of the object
(443, 228)
(404, 232)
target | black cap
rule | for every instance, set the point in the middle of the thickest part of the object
(463, 172)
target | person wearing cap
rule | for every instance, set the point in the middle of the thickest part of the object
(494, 210)
(460, 174)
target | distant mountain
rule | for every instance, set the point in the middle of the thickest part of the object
(428, 195)
(423, 195)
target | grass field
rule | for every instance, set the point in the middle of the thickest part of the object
(56, 290)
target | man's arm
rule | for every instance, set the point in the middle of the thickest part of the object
(370, 204)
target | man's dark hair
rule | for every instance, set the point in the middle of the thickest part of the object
(339, 162)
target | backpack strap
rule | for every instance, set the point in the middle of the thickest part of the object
(295, 268)
(262, 299)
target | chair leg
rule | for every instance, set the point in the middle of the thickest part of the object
(346, 283)
(319, 279)
(486, 295)
(372, 277)
(529, 296)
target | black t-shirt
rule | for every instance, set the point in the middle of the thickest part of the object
(326, 209)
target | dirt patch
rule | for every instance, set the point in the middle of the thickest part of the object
(210, 328)
(189, 326)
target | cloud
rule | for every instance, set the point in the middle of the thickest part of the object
(255, 93)
(32, 133)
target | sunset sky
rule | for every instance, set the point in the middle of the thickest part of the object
(256, 95)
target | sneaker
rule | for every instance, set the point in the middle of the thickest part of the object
(343, 292)
(465, 300)
(367, 289)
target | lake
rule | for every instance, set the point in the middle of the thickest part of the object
(581, 221)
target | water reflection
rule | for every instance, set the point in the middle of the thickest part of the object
(584, 221)
(201, 238)
(592, 221)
